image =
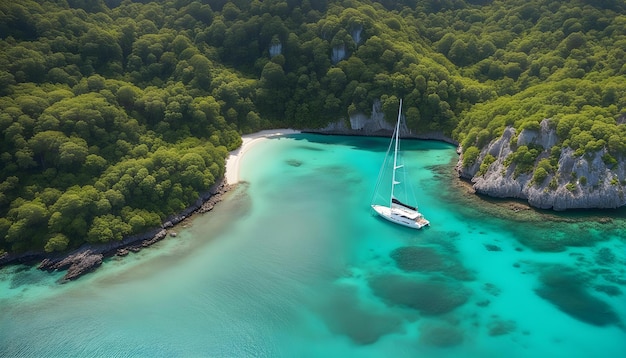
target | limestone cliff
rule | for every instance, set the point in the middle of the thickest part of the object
(375, 125)
(577, 182)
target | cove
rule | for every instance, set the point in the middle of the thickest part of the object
(292, 263)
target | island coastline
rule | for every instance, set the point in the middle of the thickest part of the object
(88, 257)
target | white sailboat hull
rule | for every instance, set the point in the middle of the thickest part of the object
(398, 212)
(402, 216)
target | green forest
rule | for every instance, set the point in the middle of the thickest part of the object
(116, 114)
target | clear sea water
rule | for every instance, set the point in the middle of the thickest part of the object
(294, 264)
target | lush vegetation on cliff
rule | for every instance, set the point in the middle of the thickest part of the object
(115, 114)
(565, 61)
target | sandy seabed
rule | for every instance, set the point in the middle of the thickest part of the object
(248, 141)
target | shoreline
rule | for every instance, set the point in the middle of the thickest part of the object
(88, 257)
(248, 140)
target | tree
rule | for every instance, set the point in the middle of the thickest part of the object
(108, 228)
(201, 69)
(126, 96)
(45, 146)
(273, 76)
(57, 242)
(470, 155)
(99, 47)
(336, 79)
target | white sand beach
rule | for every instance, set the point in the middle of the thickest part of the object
(232, 163)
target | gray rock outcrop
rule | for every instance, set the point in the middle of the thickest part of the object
(77, 264)
(578, 182)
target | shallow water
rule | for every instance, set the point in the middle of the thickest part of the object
(293, 264)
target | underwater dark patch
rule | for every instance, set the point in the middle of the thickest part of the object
(491, 247)
(491, 289)
(446, 245)
(294, 162)
(25, 277)
(608, 289)
(345, 315)
(545, 240)
(429, 259)
(310, 148)
(566, 289)
(440, 334)
(615, 278)
(499, 327)
(605, 256)
(417, 258)
(429, 297)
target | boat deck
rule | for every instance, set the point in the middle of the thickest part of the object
(405, 217)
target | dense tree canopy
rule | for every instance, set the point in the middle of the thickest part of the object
(117, 113)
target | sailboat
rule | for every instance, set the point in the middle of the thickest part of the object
(397, 211)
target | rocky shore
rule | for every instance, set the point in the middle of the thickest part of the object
(578, 181)
(89, 256)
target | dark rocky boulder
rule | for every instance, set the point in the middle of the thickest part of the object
(85, 264)
(77, 264)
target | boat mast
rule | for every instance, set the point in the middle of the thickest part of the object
(395, 156)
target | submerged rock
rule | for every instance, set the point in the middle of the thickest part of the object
(499, 327)
(491, 247)
(418, 258)
(21, 276)
(428, 296)
(440, 334)
(605, 256)
(429, 259)
(294, 162)
(566, 289)
(491, 289)
(608, 289)
(344, 314)
(618, 279)
(545, 240)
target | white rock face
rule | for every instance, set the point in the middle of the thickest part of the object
(581, 182)
(375, 122)
(601, 187)
(359, 123)
(276, 49)
(356, 34)
(338, 53)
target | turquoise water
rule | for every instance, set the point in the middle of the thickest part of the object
(293, 264)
